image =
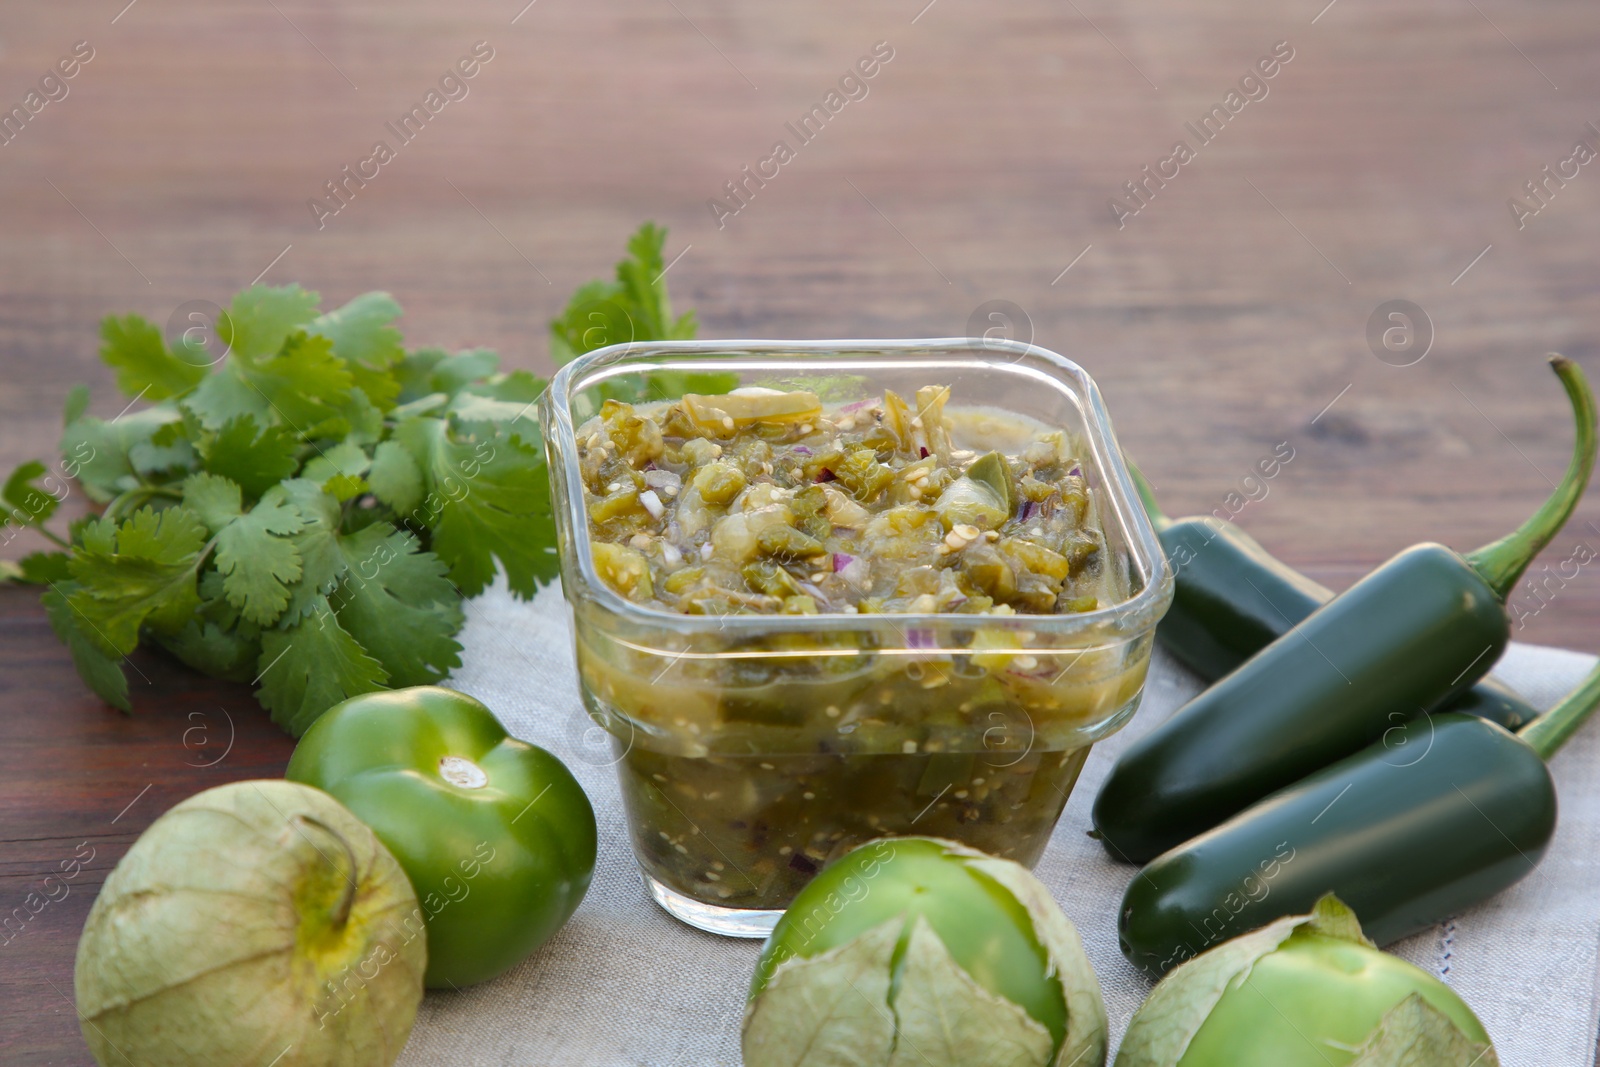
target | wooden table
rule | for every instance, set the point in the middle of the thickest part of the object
(1228, 317)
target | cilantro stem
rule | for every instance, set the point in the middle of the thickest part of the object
(141, 494)
(54, 538)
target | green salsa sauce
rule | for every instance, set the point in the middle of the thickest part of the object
(748, 767)
(761, 502)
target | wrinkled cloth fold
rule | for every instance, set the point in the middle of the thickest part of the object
(626, 984)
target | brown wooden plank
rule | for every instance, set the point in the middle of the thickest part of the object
(80, 781)
(1220, 320)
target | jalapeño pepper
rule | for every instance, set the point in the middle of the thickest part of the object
(1445, 812)
(1408, 638)
(1232, 598)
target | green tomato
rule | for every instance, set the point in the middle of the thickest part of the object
(495, 834)
(1313, 1002)
(952, 948)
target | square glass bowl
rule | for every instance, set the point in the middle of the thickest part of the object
(752, 749)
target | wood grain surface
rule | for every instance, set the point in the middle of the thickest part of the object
(1230, 314)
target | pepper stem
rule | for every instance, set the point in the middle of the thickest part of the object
(1147, 497)
(1502, 562)
(1546, 734)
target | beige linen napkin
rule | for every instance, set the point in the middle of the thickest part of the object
(625, 984)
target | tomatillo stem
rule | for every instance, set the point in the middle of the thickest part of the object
(1147, 497)
(1502, 562)
(347, 896)
(1546, 734)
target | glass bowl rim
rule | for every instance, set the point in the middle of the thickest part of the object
(1125, 619)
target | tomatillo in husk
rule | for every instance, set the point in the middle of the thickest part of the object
(496, 835)
(255, 922)
(1306, 991)
(919, 951)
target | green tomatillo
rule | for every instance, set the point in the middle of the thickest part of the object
(1305, 991)
(254, 922)
(496, 835)
(921, 952)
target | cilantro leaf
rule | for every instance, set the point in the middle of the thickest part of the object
(222, 652)
(140, 572)
(361, 330)
(257, 562)
(338, 470)
(414, 372)
(215, 500)
(228, 396)
(396, 601)
(262, 317)
(255, 457)
(145, 366)
(326, 553)
(363, 337)
(594, 318)
(216, 640)
(108, 458)
(345, 487)
(99, 671)
(644, 288)
(316, 504)
(43, 568)
(27, 504)
(518, 385)
(343, 458)
(483, 413)
(322, 562)
(255, 557)
(303, 387)
(395, 477)
(633, 308)
(312, 665)
(306, 384)
(168, 450)
(433, 370)
(76, 404)
(454, 373)
(359, 420)
(486, 500)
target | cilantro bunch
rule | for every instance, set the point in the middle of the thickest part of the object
(308, 512)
